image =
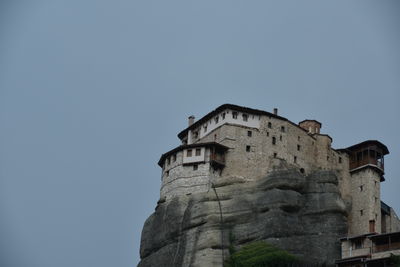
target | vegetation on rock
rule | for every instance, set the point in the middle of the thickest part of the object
(260, 254)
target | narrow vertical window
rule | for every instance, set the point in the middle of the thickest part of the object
(298, 147)
(216, 119)
(273, 140)
(269, 125)
(167, 173)
(223, 116)
(249, 133)
(174, 158)
(295, 159)
(247, 148)
(280, 138)
(275, 155)
(282, 129)
(198, 151)
(195, 167)
(267, 133)
(340, 159)
(189, 153)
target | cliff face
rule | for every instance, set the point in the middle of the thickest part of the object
(302, 214)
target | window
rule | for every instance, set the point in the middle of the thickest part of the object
(273, 140)
(223, 116)
(301, 170)
(245, 117)
(357, 244)
(372, 226)
(327, 157)
(249, 133)
(234, 115)
(280, 138)
(282, 129)
(298, 147)
(198, 151)
(269, 125)
(247, 148)
(361, 188)
(173, 157)
(295, 159)
(298, 138)
(189, 153)
(168, 161)
(216, 119)
(340, 159)
(195, 167)
(196, 134)
(267, 133)
(275, 155)
(205, 128)
(361, 212)
(167, 173)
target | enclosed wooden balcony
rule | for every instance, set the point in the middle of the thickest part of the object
(368, 153)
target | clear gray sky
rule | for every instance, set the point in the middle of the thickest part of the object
(92, 92)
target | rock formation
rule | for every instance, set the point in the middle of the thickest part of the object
(303, 214)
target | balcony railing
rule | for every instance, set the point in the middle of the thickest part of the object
(386, 247)
(348, 253)
(366, 161)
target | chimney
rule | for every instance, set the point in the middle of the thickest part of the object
(275, 111)
(190, 120)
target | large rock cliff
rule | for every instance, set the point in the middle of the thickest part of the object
(303, 214)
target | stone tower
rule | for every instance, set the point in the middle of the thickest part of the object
(366, 169)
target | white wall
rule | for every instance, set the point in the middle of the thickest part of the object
(194, 158)
(253, 121)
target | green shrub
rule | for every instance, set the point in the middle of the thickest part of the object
(260, 254)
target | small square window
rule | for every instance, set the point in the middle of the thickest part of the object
(361, 188)
(195, 167)
(269, 125)
(298, 147)
(247, 148)
(282, 129)
(189, 153)
(249, 133)
(198, 151)
(275, 155)
(245, 117)
(234, 115)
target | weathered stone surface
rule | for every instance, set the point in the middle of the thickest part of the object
(302, 214)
